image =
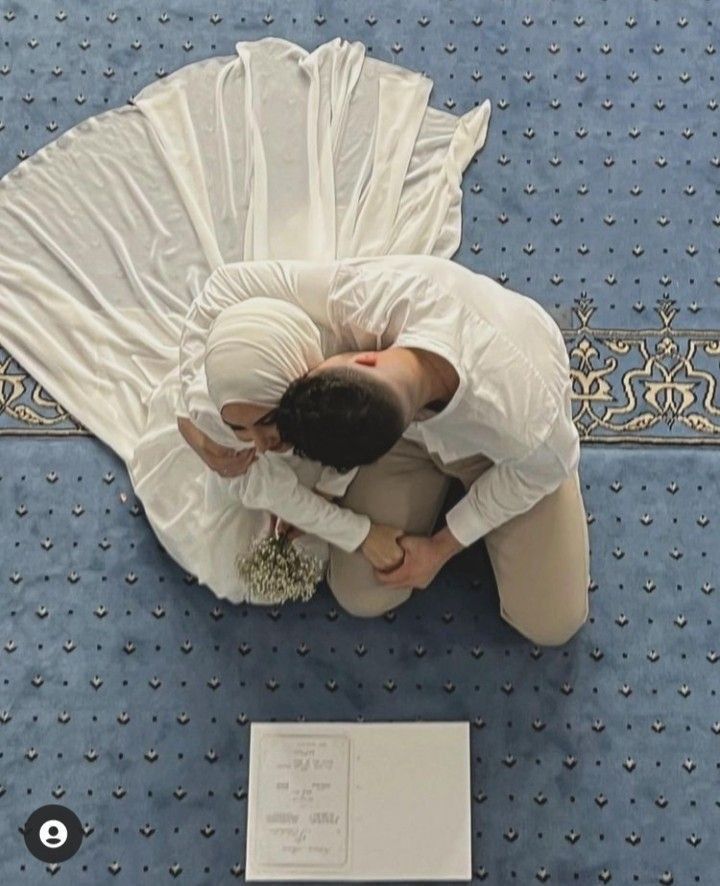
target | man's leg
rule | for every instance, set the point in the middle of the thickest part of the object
(403, 488)
(541, 560)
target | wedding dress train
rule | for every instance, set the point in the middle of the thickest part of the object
(108, 234)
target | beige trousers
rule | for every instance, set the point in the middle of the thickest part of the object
(541, 559)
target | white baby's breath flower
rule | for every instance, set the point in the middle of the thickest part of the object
(276, 571)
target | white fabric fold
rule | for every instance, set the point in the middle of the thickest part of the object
(110, 232)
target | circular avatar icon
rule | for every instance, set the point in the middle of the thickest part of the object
(53, 833)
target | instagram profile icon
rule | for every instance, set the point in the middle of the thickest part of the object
(53, 833)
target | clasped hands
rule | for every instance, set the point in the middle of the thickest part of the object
(398, 560)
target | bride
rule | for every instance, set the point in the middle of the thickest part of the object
(111, 232)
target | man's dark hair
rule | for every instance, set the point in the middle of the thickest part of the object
(340, 417)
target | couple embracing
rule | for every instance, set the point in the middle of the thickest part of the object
(393, 375)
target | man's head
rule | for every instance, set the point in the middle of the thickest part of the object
(348, 410)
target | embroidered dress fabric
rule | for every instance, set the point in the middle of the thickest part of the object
(110, 232)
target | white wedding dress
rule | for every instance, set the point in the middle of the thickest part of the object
(109, 233)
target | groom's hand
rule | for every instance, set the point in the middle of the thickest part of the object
(422, 563)
(381, 547)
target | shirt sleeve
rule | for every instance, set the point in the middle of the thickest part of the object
(271, 484)
(512, 487)
(335, 482)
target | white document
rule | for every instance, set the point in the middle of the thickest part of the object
(359, 801)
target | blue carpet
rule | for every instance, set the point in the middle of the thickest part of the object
(128, 690)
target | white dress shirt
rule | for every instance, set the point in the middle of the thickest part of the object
(512, 404)
(513, 401)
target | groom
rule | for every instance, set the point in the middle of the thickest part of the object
(452, 375)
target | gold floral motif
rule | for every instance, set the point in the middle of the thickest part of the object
(628, 384)
(38, 414)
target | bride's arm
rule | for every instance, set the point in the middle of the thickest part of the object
(271, 484)
(333, 482)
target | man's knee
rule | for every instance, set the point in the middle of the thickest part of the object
(357, 594)
(361, 607)
(556, 632)
(558, 636)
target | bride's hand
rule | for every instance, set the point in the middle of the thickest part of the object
(283, 528)
(222, 459)
(225, 461)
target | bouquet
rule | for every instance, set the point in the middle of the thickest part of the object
(276, 571)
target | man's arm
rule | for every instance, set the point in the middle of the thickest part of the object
(376, 303)
(513, 487)
(500, 493)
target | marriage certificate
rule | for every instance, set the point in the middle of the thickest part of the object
(359, 801)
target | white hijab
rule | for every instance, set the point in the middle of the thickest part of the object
(255, 348)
